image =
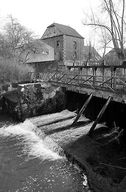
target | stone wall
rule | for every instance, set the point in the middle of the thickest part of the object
(33, 99)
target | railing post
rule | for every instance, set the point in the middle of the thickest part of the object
(124, 71)
(94, 75)
(86, 73)
(111, 76)
(114, 78)
(103, 73)
(79, 75)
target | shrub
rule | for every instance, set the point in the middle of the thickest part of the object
(12, 71)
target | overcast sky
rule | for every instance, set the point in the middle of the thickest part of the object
(36, 15)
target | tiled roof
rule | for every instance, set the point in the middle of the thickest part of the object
(41, 52)
(111, 58)
(66, 30)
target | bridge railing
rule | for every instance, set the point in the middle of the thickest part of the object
(112, 78)
(108, 77)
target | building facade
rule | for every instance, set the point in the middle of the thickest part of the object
(67, 43)
(61, 45)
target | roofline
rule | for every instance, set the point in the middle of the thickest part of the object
(51, 37)
(74, 36)
(62, 35)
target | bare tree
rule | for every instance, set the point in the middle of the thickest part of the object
(115, 26)
(18, 38)
(17, 42)
(104, 42)
(4, 47)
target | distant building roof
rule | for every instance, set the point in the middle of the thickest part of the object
(64, 30)
(111, 58)
(90, 53)
(40, 52)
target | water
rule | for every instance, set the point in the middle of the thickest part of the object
(27, 164)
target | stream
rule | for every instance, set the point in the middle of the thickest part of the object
(28, 164)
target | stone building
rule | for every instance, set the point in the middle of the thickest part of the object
(67, 43)
(60, 46)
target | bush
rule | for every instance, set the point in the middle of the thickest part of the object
(12, 71)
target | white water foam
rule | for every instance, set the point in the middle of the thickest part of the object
(34, 146)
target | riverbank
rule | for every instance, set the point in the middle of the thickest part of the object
(32, 99)
(6, 120)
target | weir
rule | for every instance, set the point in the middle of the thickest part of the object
(100, 81)
(100, 102)
(85, 151)
(31, 161)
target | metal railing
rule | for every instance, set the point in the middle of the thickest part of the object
(109, 78)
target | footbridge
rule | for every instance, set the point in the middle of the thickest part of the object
(107, 82)
(101, 81)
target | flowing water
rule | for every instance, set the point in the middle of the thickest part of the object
(27, 164)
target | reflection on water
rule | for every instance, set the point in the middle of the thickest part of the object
(28, 165)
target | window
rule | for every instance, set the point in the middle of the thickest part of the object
(58, 43)
(75, 55)
(75, 45)
(45, 52)
(74, 50)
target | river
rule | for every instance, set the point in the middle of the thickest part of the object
(27, 164)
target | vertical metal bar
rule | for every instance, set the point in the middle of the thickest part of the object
(80, 78)
(114, 78)
(103, 73)
(111, 77)
(124, 77)
(86, 73)
(94, 75)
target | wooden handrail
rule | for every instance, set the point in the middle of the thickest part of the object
(106, 81)
(72, 79)
(122, 81)
(113, 67)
